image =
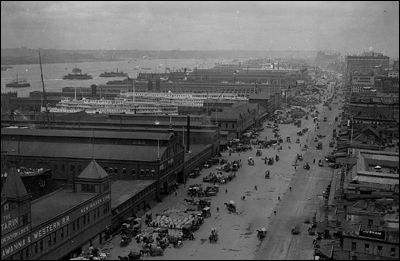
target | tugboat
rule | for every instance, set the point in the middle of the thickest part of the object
(18, 83)
(77, 75)
(113, 74)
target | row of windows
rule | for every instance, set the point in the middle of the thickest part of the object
(379, 249)
(143, 172)
(59, 235)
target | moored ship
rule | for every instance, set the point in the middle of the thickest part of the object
(116, 106)
(181, 99)
(18, 83)
(113, 74)
(77, 75)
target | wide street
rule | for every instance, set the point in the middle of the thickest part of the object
(238, 232)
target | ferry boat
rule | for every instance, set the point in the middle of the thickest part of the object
(77, 75)
(18, 83)
(180, 99)
(113, 74)
(116, 106)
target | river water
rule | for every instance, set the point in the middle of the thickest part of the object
(53, 73)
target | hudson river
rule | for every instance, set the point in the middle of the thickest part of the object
(53, 73)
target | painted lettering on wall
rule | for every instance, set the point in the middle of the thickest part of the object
(95, 203)
(14, 234)
(49, 228)
(7, 222)
(36, 235)
(15, 246)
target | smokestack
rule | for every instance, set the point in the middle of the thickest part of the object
(188, 135)
(94, 89)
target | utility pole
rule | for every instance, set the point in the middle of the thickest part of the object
(44, 92)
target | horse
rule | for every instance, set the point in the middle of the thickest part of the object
(145, 251)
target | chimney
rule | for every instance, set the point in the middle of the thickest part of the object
(94, 89)
(158, 85)
(188, 135)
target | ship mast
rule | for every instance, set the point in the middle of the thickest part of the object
(44, 92)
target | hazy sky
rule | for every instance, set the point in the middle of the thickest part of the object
(348, 27)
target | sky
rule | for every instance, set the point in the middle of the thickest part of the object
(347, 27)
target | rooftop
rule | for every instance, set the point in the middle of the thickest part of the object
(122, 190)
(93, 171)
(53, 204)
(13, 186)
(82, 151)
(87, 134)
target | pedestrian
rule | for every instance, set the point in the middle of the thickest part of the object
(229, 153)
(176, 193)
(244, 198)
(274, 212)
(265, 160)
(295, 167)
(255, 187)
(279, 198)
(240, 160)
(290, 188)
(217, 209)
(226, 191)
(314, 161)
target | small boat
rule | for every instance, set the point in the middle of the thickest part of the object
(18, 83)
(5, 68)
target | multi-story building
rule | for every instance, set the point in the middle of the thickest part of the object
(56, 225)
(371, 245)
(124, 155)
(367, 62)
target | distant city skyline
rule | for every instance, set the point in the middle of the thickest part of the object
(345, 27)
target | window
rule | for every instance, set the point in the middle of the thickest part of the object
(71, 168)
(79, 167)
(49, 237)
(142, 172)
(35, 247)
(27, 252)
(370, 222)
(41, 245)
(392, 251)
(133, 172)
(379, 250)
(62, 233)
(116, 171)
(62, 167)
(382, 222)
(55, 166)
(366, 249)
(110, 170)
(124, 171)
(153, 172)
(353, 246)
(147, 172)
